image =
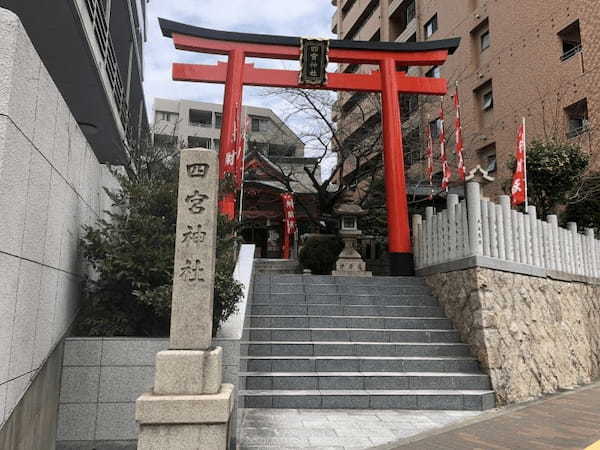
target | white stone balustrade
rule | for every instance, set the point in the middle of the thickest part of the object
(495, 233)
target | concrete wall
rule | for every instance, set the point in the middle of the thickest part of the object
(33, 424)
(50, 185)
(101, 380)
(533, 335)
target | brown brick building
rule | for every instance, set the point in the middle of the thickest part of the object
(538, 59)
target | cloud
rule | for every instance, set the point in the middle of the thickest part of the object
(284, 17)
(287, 17)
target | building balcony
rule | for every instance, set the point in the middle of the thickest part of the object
(334, 22)
(409, 31)
(88, 59)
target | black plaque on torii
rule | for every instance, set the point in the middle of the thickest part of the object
(313, 61)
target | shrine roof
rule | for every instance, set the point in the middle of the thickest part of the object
(169, 27)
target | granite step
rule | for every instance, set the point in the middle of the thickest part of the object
(349, 322)
(442, 364)
(474, 400)
(364, 381)
(344, 299)
(351, 335)
(321, 289)
(319, 309)
(326, 279)
(330, 348)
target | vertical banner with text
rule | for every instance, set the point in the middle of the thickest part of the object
(289, 223)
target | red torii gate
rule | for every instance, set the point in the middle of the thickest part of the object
(387, 55)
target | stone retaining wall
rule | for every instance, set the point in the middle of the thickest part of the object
(533, 335)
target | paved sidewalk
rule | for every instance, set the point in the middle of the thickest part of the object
(564, 421)
(346, 429)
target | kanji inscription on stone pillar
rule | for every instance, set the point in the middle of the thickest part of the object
(194, 271)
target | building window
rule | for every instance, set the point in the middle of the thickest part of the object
(485, 40)
(411, 11)
(165, 140)
(431, 26)
(216, 144)
(570, 38)
(434, 72)
(281, 150)
(259, 147)
(487, 158)
(218, 120)
(577, 118)
(196, 141)
(200, 118)
(434, 127)
(260, 124)
(409, 104)
(167, 116)
(487, 99)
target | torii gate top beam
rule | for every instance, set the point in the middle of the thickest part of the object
(204, 40)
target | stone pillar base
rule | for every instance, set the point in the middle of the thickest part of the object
(185, 422)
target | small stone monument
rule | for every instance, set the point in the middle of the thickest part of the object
(350, 263)
(189, 406)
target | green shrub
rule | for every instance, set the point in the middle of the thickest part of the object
(320, 253)
(132, 254)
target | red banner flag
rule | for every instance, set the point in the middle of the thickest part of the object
(429, 155)
(289, 222)
(230, 163)
(446, 173)
(459, 139)
(241, 153)
(519, 185)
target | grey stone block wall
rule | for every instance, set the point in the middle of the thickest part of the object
(33, 424)
(102, 378)
(50, 185)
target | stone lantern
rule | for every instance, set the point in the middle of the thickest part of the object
(350, 263)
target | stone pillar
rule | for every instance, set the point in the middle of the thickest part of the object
(557, 260)
(429, 234)
(493, 230)
(591, 248)
(485, 228)
(572, 239)
(500, 233)
(417, 223)
(451, 204)
(189, 406)
(507, 226)
(536, 254)
(474, 218)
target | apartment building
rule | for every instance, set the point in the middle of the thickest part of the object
(93, 50)
(537, 59)
(198, 124)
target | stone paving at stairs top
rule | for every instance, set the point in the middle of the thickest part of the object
(326, 429)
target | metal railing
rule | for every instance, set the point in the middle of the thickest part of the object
(568, 55)
(107, 51)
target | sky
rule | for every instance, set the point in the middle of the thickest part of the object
(306, 18)
(310, 18)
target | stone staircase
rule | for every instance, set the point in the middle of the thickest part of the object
(333, 342)
(282, 266)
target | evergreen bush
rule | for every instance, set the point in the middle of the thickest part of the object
(320, 253)
(132, 254)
